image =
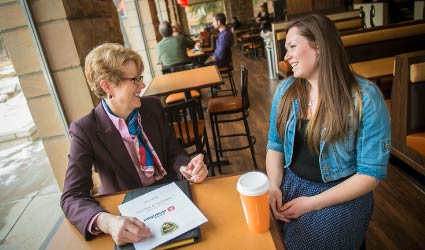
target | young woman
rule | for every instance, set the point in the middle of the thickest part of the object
(328, 145)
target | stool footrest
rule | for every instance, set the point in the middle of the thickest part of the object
(229, 120)
(254, 140)
(232, 135)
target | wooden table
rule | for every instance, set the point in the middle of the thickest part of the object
(375, 69)
(184, 81)
(218, 200)
(193, 54)
(198, 53)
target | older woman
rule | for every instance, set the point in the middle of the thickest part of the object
(329, 142)
(127, 140)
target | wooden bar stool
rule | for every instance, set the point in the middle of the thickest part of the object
(227, 72)
(228, 105)
(188, 125)
(179, 97)
(253, 44)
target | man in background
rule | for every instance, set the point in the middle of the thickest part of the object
(172, 49)
(223, 50)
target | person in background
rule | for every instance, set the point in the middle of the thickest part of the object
(223, 49)
(263, 19)
(236, 24)
(126, 139)
(172, 49)
(328, 143)
(176, 29)
(121, 10)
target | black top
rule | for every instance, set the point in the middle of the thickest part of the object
(305, 163)
(266, 25)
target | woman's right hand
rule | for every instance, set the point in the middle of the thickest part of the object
(122, 229)
(275, 197)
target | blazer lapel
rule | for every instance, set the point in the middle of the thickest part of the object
(150, 127)
(112, 141)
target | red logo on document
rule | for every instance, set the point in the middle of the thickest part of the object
(171, 208)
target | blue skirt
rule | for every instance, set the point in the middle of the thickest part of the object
(342, 226)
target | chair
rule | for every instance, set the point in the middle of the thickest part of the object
(284, 69)
(241, 36)
(186, 121)
(205, 38)
(231, 105)
(179, 97)
(253, 43)
(177, 67)
(213, 41)
(227, 72)
(407, 110)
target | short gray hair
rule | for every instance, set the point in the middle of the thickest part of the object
(165, 29)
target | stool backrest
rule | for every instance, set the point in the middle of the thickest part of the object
(244, 88)
(177, 67)
(183, 119)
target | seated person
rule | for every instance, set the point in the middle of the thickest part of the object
(176, 29)
(127, 140)
(172, 49)
(236, 24)
(223, 50)
(263, 19)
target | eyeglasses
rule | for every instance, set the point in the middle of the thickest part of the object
(136, 80)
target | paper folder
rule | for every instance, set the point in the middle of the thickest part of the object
(189, 237)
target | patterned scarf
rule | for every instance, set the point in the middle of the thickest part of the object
(148, 159)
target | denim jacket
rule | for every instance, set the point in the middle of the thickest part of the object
(364, 152)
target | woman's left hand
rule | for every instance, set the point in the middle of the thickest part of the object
(196, 171)
(298, 207)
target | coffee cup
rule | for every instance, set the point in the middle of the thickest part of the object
(253, 188)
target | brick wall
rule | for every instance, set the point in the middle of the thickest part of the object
(242, 9)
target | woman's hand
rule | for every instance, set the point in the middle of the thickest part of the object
(275, 197)
(122, 229)
(196, 171)
(298, 207)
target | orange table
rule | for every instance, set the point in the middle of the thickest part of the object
(218, 200)
(184, 81)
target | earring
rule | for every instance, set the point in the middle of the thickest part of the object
(110, 96)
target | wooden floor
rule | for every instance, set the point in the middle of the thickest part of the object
(399, 217)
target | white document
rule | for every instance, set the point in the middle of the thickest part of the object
(168, 213)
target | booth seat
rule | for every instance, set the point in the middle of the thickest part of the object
(342, 22)
(384, 41)
(408, 112)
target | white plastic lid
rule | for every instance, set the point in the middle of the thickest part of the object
(253, 184)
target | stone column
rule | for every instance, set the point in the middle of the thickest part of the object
(183, 19)
(163, 10)
(172, 11)
(68, 29)
(143, 35)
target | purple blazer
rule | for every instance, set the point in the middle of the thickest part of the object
(96, 143)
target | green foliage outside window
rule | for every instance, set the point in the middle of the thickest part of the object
(199, 15)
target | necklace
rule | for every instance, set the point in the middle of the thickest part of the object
(310, 103)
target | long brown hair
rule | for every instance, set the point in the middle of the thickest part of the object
(335, 113)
